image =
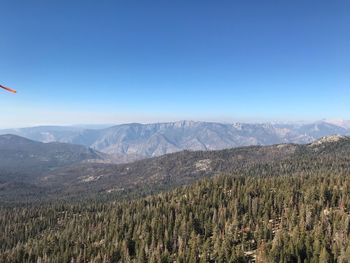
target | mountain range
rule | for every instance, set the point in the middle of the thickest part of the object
(129, 142)
(23, 161)
(32, 170)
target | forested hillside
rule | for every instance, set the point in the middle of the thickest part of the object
(169, 171)
(174, 131)
(24, 160)
(286, 211)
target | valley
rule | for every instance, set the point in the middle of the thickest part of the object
(130, 142)
(253, 204)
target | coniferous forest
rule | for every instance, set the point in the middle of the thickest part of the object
(295, 210)
(174, 131)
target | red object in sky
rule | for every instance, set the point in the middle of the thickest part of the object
(8, 89)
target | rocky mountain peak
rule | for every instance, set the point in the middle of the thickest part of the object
(329, 139)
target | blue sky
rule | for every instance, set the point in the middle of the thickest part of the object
(148, 61)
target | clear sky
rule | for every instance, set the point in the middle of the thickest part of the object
(148, 61)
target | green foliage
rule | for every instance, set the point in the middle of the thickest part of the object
(287, 210)
(302, 218)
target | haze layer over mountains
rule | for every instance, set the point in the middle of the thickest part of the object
(128, 142)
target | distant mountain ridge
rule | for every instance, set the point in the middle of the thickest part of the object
(128, 142)
(24, 160)
(66, 172)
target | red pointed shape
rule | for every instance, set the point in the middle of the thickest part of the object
(8, 89)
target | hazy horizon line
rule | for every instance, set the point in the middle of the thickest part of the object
(106, 125)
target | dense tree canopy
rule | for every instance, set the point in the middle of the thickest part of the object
(266, 205)
(287, 212)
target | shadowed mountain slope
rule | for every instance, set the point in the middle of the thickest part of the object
(129, 142)
(24, 160)
(146, 176)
